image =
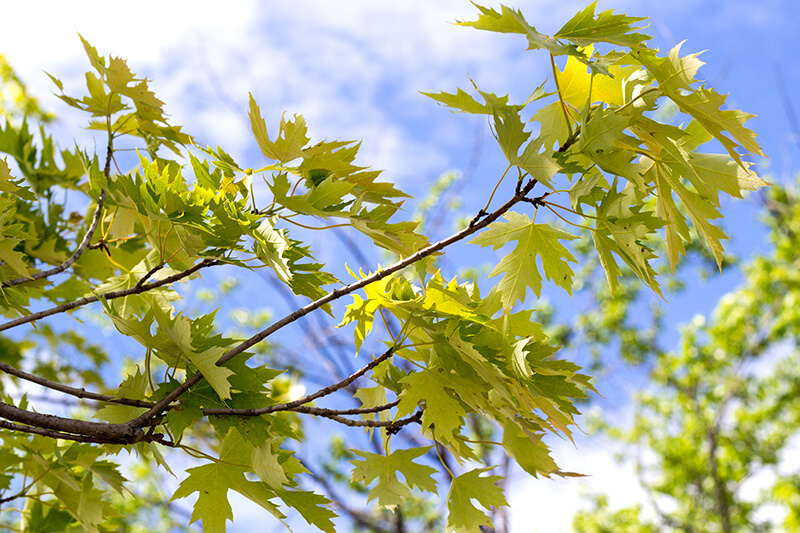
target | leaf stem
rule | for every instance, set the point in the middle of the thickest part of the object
(496, 187)
(560, 96)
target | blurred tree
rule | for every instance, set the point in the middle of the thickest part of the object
(716, 427)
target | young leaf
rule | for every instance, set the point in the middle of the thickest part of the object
(463, 516)
(291, 137)
(389, 490)
(519, 267)
(585, 29)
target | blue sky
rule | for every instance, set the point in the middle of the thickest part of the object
(354, 69)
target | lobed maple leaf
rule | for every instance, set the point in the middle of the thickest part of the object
(519, 267)
(389, 490)
(463, 516)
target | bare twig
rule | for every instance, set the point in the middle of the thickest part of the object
(73, 391)
(392, 427)
(477, 224)
(291, 406)
(75, 255)
(357, 411)
(112, 295)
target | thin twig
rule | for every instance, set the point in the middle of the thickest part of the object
(73, 391)
(74, 257)
(86, 238)
(112, 295)
(392, 427)
(335, 295)
(318, 411)
(290, 406)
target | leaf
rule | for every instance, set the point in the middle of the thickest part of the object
(133, 387)
(461, 102)
(16, 187)
(266, 466)
(90, 506)
(389, 490)
(675, 76)
(511, 21)
(178, 329)
(529, 451)
(291, 136)
(622, 226)
(212, 482)
(537, 162)
(585, 29)
(312, 507)
(463, 516)
(519, 267)
(425, 388)
(362, 312)
(271, 246)
(716, 172)
(12, 258)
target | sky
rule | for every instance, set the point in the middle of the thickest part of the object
(355, 70)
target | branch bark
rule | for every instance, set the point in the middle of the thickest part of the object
(70, 427)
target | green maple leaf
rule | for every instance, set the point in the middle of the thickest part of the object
(511, 21)
(441, 408)
(266, 466)
(531, 454)
(699, 209)
(675, 76)
(133, 387)
(212, 482)
(537, 162)
(622, 227)
(12, 258)
(9, 184)
(292, 136)
(463, 516)
(389, 490)
(519, 267)
(461, 102)
(554, 132)
(311, 506)
(716, 172)
(271, 246)
(91, 507)
(584, 29)
(362, 312)
(328, 193)
(178, 330)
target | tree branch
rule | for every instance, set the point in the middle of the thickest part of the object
(94, 431)
(293, 405)
(86, 238)
(111, 295)
(73, 391)
(477, 224)
(53, 434)
(75, 255)
(392, 426)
